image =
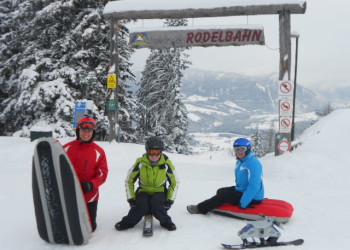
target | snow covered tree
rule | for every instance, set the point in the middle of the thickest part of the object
(58, 52)
(270, 139)
(8, 45)
(326, 110)
(161, 107)
(257, 143)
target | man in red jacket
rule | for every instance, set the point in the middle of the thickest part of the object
(90, 163)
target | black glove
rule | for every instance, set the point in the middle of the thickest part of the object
(168, 203)
(86, 186)
(132, 202)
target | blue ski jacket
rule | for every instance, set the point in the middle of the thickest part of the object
(248, 173)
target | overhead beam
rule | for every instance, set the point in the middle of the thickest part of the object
(158, 9)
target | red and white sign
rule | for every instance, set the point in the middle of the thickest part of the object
(285, 124)
(286, 106)
(285, 88)
(284, 145)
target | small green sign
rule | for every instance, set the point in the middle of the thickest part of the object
(112, 105)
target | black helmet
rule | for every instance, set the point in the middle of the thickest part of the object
(154, 142)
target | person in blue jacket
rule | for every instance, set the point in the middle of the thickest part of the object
(249, 189)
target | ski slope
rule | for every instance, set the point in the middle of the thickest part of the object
(314, 178)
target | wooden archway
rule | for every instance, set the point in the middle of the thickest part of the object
(160, 9)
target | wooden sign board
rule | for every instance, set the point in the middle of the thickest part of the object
(183, 37)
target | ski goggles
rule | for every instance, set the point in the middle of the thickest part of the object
(87, 126)
(154, 152)
(240, 149)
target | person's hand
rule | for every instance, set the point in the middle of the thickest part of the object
(168, 204)
(86, 186)
(132, 202)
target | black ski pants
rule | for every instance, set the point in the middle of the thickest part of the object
(92, 207)
(146, 204)
(223, 195)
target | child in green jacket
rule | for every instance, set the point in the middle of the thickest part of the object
(157, 187)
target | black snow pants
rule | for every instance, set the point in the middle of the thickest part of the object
(92, 207)
(146, 204)
(223, 195)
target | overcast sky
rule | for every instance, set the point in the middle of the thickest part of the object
(323, 46)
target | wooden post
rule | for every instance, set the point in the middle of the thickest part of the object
(285, 45)
(114, 69)
(284, 70)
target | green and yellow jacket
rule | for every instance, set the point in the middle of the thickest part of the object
(152, 179)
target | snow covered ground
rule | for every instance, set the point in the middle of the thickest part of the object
(314, 178)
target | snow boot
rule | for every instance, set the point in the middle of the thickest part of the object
(169, 225)
(193, 209)
(120, 226)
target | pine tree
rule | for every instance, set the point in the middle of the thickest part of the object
(270, 139)
(58, 52)
(8, 45)
(326, 110)
(162, 110)
(257, 143)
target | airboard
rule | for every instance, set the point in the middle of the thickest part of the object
(60, 209)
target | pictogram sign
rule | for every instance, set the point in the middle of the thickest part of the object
(284, 145)
(286, 106)
(285, 89)
(285, 123)
(112, 81)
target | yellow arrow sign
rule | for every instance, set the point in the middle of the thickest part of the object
(112, 81)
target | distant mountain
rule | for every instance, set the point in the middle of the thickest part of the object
(337, 97)
(228, 102)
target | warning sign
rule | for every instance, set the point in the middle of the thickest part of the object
(286, 106)
(284, 145)
(285, 88)
(285, 124)
(112, 81)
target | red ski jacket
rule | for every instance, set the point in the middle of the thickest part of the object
(90, 164)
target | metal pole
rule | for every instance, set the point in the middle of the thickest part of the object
(295, 83)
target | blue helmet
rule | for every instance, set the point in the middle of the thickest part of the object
(242, 142)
